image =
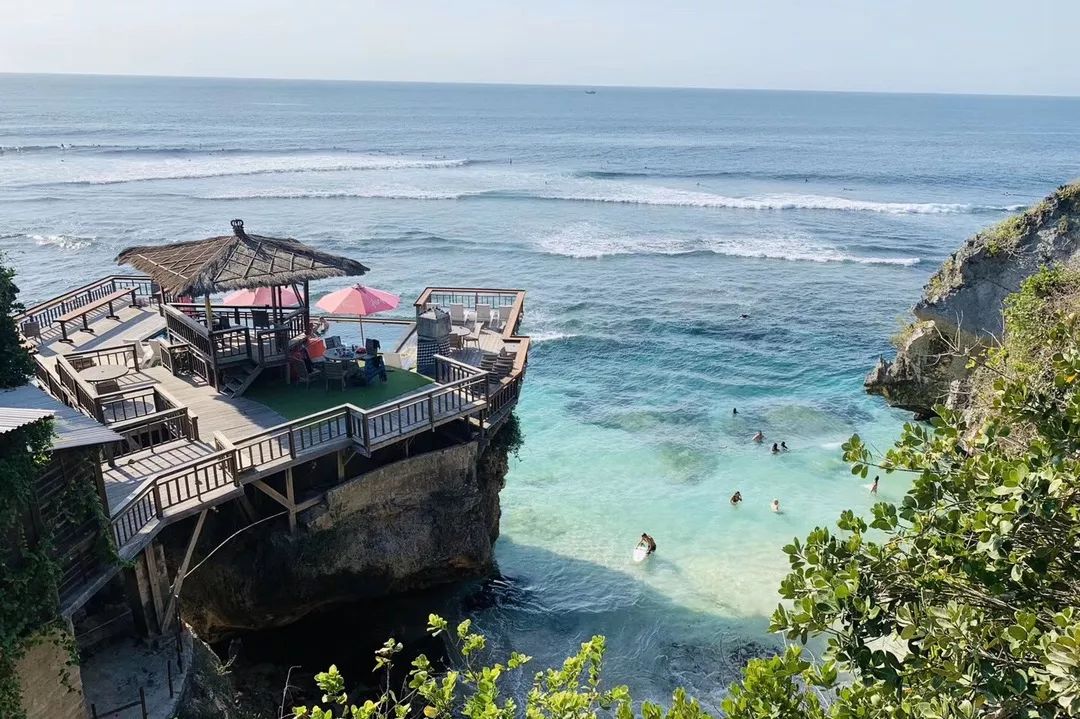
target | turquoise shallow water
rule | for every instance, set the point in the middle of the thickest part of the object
(643, 223)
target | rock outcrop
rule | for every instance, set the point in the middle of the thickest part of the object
(960, 313)
(419, 522)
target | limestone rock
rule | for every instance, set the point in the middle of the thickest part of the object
(960, 313)
(416, 523)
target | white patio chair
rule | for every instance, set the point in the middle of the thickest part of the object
(504, 315)
(457, 314)
(483, 313)
(153, 357)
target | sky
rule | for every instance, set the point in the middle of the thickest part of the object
(967, 46)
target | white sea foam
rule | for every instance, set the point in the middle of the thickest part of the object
(665, 196)
(211, 166)
(584, 241)
(373, 193)
(64, 242)
(550, 336)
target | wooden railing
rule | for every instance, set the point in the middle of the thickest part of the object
(265, 346)
(188, 330)
(45, 313)
(156, 429)
(190, 484)
(230, 344)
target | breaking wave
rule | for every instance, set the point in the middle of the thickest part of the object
(656, 196)
(64, 242)
(663, 196)
(186, 169)
(586, 242)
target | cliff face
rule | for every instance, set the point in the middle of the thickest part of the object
(960, 313)
(416, 523)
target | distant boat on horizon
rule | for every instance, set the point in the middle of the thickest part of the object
(590, 92)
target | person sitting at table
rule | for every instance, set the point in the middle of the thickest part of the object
(318, 327)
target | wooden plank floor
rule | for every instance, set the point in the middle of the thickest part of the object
(130, 472)
(235, 418)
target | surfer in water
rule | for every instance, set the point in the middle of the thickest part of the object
(759, 437)
(648, 542)
(736, 498)
(775, 448)
(783, 446)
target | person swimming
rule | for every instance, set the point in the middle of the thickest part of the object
(759, 437)
(648, 542)
(776, 506)
(783, 446)
(736, 498)
(734, 410)
(775, 448)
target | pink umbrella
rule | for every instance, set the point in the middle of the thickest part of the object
(260, 296)
(358, 300)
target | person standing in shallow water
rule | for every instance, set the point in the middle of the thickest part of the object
(736, 498)
(759, 437)
(775, 448)
(873, 487)
(648, 542)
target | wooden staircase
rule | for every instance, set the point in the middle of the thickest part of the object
(239, 377)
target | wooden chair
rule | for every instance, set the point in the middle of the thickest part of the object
(260, 319)
(305, 375)
(332, 342)
(336, 373)
(32, 331)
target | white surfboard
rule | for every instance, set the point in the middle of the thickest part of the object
(640, 552)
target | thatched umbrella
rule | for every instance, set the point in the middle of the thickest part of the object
(235, 262)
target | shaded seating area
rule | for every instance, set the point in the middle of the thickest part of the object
(228, 345)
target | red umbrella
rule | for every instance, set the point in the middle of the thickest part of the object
(260, 296)
(358, 300)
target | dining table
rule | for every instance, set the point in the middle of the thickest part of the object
(103, 372)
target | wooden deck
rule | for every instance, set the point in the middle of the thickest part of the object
(234, 417)
(241, 440)
(125, 480)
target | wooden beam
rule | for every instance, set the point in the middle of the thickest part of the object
(341, 461)
(273, 493)
(181, 572)
(292, 499)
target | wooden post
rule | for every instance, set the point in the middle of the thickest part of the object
(181, 573)
(142, 702)
(291, 496)
(341, 465)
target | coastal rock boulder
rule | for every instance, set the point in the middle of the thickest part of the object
(960, 313)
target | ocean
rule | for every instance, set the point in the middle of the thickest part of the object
(644, 224)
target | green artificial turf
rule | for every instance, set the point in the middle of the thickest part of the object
(295, 400)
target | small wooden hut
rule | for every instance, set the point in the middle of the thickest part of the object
(229, 345)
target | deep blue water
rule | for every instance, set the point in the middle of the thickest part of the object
(643, 223)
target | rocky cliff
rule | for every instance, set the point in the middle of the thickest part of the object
(416, 523)
(960, 313)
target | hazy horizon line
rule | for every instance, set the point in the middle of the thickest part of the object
(583, 86)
